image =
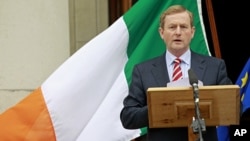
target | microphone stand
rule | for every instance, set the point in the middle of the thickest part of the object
(198, 124)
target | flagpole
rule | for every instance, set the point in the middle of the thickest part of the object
(212, 24)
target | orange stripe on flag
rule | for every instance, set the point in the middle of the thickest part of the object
(29, 120)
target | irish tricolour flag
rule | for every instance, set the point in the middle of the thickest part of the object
(82, 99)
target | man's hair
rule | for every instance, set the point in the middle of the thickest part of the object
(173, 10)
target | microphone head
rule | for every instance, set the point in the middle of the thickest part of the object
(192, 77)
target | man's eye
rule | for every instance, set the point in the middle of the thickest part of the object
(184, 27)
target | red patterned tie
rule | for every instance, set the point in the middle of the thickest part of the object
(177, 74)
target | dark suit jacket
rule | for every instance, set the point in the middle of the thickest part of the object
(154, 73)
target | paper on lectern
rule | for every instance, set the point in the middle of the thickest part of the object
(182, 82)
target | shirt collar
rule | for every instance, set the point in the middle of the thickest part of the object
(186, 57)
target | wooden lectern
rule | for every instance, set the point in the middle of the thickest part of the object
(174, 106)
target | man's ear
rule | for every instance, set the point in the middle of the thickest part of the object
(160, 30)
(193, 31)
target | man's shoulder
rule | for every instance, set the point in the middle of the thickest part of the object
(152, 60)
(206, 57)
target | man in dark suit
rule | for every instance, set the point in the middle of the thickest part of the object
(176, 30)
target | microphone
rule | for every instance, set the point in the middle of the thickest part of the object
(194, 83)
(198, 123)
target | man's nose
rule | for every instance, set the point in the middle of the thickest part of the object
(178, 30)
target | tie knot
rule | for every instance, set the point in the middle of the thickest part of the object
(177, 60)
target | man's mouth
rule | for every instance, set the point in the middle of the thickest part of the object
(177, 40)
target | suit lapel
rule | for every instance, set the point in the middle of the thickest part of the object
(198, 65)
(160, 72)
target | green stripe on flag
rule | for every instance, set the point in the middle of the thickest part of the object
(142, 21)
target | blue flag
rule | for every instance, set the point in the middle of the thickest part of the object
(223, 133)
(243, 82)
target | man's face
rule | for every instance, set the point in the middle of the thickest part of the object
(177, 32)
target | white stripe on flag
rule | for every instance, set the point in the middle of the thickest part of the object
(75, 91)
